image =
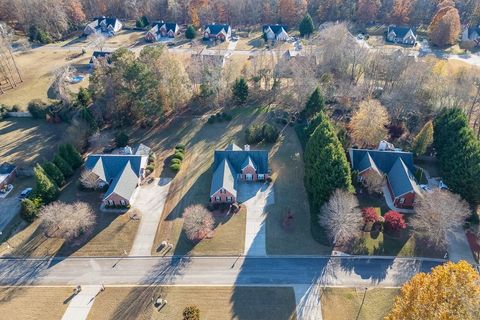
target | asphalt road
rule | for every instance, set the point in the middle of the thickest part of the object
(337, 271)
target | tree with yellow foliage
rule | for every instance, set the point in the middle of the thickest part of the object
(451, 291)
(368, 124)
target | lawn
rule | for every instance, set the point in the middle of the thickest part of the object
(214, 303)
(26, 141)
(247, 43)
(37, 68)
(34, 302)
(351, 303)
(112, 235)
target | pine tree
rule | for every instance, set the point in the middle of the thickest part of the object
(424, 139)
(45, 188)
(190, 33)
(306, 26)
(326, 166)
(315, 103)
(240, 91)
(71, 155)
(54, 173)
(63, 165)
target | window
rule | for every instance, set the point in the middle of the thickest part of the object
(110, 202)
(123, 202)
(217, 198)
(229, 199)
(261, 177)
(402, 200)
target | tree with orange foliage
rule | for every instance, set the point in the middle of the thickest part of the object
(74, 10)
(401, 11)
(450, 291)
(445, 26)
(367, 10)
(290, 11)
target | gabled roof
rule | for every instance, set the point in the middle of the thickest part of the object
(125, 183)
(217, 28)
(7, 168)
(169, 26)
(401, 179)
(401, 31)
(108, 166)
(276, 28)
(142, 150)
(249, 163)
(233, 147)
(224, 177)
(384, 159)
(238, 157)
(367, 163)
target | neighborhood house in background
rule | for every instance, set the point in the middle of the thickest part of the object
(162, 30)
(405, 35)
(122, 173)
(220, 32)
(396, 165)
(106, 26)
(234, 165)
(275, 32)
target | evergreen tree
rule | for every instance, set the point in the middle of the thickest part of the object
(240, 91)
(54, 173)
(84, 97)
(424, 139)
(306, 26)
(190, 33)
(63, 165)
(326, 166)
(315, 103)
(45, 188)
(71, 155)
(458, 153)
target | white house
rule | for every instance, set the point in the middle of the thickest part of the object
(404, 35)
(107, 26)
(276, 32)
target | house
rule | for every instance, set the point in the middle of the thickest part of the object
(397, 166)
(471, 34)
(99, 55)
(233, 166)
(275, 32)
(220, 32)
(107, 26)
(122, 173)
(404, 35)
(8, 172)
(162, 30)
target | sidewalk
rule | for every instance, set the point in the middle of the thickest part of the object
(80, 305)
(308, 301)
(458, 247)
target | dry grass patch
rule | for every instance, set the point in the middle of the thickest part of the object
(33, 302)
(351, 303)
(214, 303)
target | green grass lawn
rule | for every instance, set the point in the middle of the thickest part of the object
(351, 303)
(266, 303)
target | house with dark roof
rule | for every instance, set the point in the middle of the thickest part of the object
(235, 165)
(275, 32)
(404, 35)
(8, 172)
(396, 166)
(99, 55)
(122, 173)
(108, 26)
(161, 30)
(471, 34)
(215, 31)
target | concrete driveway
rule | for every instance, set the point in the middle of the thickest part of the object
(458, 247)
(9, 208)
(255, 197)
(150, 200)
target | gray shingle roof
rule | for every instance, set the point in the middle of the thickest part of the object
(383, 159)
(224, 177)
(217, 28)
(401, 179)
(125, 184)
(249, 162)
(232, 147)
(367, 163)
(401, 31)
(276, 28)
(142, 150)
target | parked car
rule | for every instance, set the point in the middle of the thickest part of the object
(425, 188)
(234, 38)
(25, 193)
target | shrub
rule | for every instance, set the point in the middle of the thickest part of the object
(180, 147)
(191, 313)
(190, 33)
(63, 165)
(38, 109)
(179, 155)
(175, 167)
(270, 133)
(370, 215)
(151, 167)
(175, 160)
(211, 119)
(258, 133)
(142, 22)
(54, 173)
(394, 221)
(121, 139)
(30, 209)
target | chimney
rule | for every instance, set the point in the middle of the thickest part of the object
(247, 147)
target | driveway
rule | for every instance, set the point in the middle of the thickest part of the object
(458, 247)
(150, 200)
(255, 197)
(9, 208)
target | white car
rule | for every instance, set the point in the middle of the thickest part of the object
(425, 188)
(25, 193)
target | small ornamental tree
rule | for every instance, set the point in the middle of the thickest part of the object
(394, 221)
(190, 33)
(240, 91)
(198, 222)
(306, 26)
(191, 313)
(370, 215)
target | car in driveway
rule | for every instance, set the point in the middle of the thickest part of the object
(25, 193)
(425, 188)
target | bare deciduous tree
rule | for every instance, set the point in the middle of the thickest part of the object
(437, 214)
(341, 217)
(374, 182)
(66, 221)
(198, 223)
(88, 179)
(368, 124)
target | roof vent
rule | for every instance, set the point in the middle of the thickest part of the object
(384, 146)
(247, 147)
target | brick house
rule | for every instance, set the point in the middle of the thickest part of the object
(396, 166)
(8, 172)
(275, 32)
(221, 32)
(233, 166)
(107, 26)
(404, 35)
(162, 30)
(122, 173)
